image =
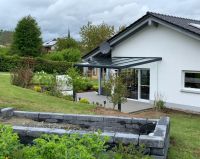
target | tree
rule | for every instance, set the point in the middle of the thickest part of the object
(66, 43)
(27, 38)
(116, 90)
(93, 35)
(6, 37)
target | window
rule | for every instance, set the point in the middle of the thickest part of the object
(192, 80)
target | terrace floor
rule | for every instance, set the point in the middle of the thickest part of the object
(128, 107)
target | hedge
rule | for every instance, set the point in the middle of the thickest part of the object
(7, 63)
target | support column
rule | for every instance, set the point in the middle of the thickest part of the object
(100, 81)
(119, 104)
(107, 74)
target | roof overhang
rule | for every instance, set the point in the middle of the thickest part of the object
(118, 62)
(146, 20)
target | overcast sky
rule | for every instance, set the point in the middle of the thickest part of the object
(56, 16)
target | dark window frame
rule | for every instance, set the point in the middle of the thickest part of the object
(190, 82)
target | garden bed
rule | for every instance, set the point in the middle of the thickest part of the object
(153, 133)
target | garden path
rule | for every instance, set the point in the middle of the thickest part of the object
(128, 107)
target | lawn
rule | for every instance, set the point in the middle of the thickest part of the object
(25, 99)
(185, 128)
(185, 137)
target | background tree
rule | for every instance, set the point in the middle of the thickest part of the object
(27, 38)
(6, 37)
(66, 43)
(93, 35)
(116, 90)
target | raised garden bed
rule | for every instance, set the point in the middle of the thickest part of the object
(153, 133)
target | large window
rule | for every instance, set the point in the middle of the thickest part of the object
(192, 80)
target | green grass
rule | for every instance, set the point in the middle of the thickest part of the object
(185, 128)
(185, 136)
(25, 99)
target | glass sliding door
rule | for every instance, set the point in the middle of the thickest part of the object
(138, 83)
(144, 84)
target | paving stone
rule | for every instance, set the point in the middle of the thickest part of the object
(58, 116)
(70, 117)
(91, 118)
(44, 116)
(126, 138)
(160, 130)
(21, 130)
(158, 157)
(152, 141)
(51, 120)
(7, 112)
(58, 131)
(111, 136)
(157, 151)
(113, 119)
(163, 121)
(37, 132)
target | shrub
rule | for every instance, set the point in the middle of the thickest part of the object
(43, 78)
(68, 97)
(84, 100)
(75, 146)
(9, 142)
(4, 51)
(126, 152)
(7, 63)
(54, 56)
(21, 76)
(52, 66)
(37, 89)
(69, 55)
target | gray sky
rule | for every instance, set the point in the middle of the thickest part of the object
(56, 16)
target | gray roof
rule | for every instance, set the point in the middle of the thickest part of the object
(179, 21)
(118, 62)
(50, 43)
(188, 26)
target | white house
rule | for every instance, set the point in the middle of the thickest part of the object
(50, 45)
(162, 53)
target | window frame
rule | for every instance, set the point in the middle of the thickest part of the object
(186, 89)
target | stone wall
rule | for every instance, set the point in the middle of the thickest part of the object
(119, 129)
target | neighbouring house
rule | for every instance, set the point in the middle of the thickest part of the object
(49, 46)
(159, 56)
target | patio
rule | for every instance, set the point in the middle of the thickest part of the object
(128, 107)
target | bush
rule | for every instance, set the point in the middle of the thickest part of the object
(126, 152)
(9, 142)
(69, 55)
(37, 89)
(75, 146)
(52, 66)
(21, 76)
(4, 50)
(54, 56)
(84, 100)
(7, 63)
(43, 79)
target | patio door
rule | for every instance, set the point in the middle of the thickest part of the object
(138, 84)
(144, 84)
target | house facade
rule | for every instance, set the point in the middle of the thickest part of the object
(163, 54)
(49, 46)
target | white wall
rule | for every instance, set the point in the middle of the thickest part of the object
(178, 51)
